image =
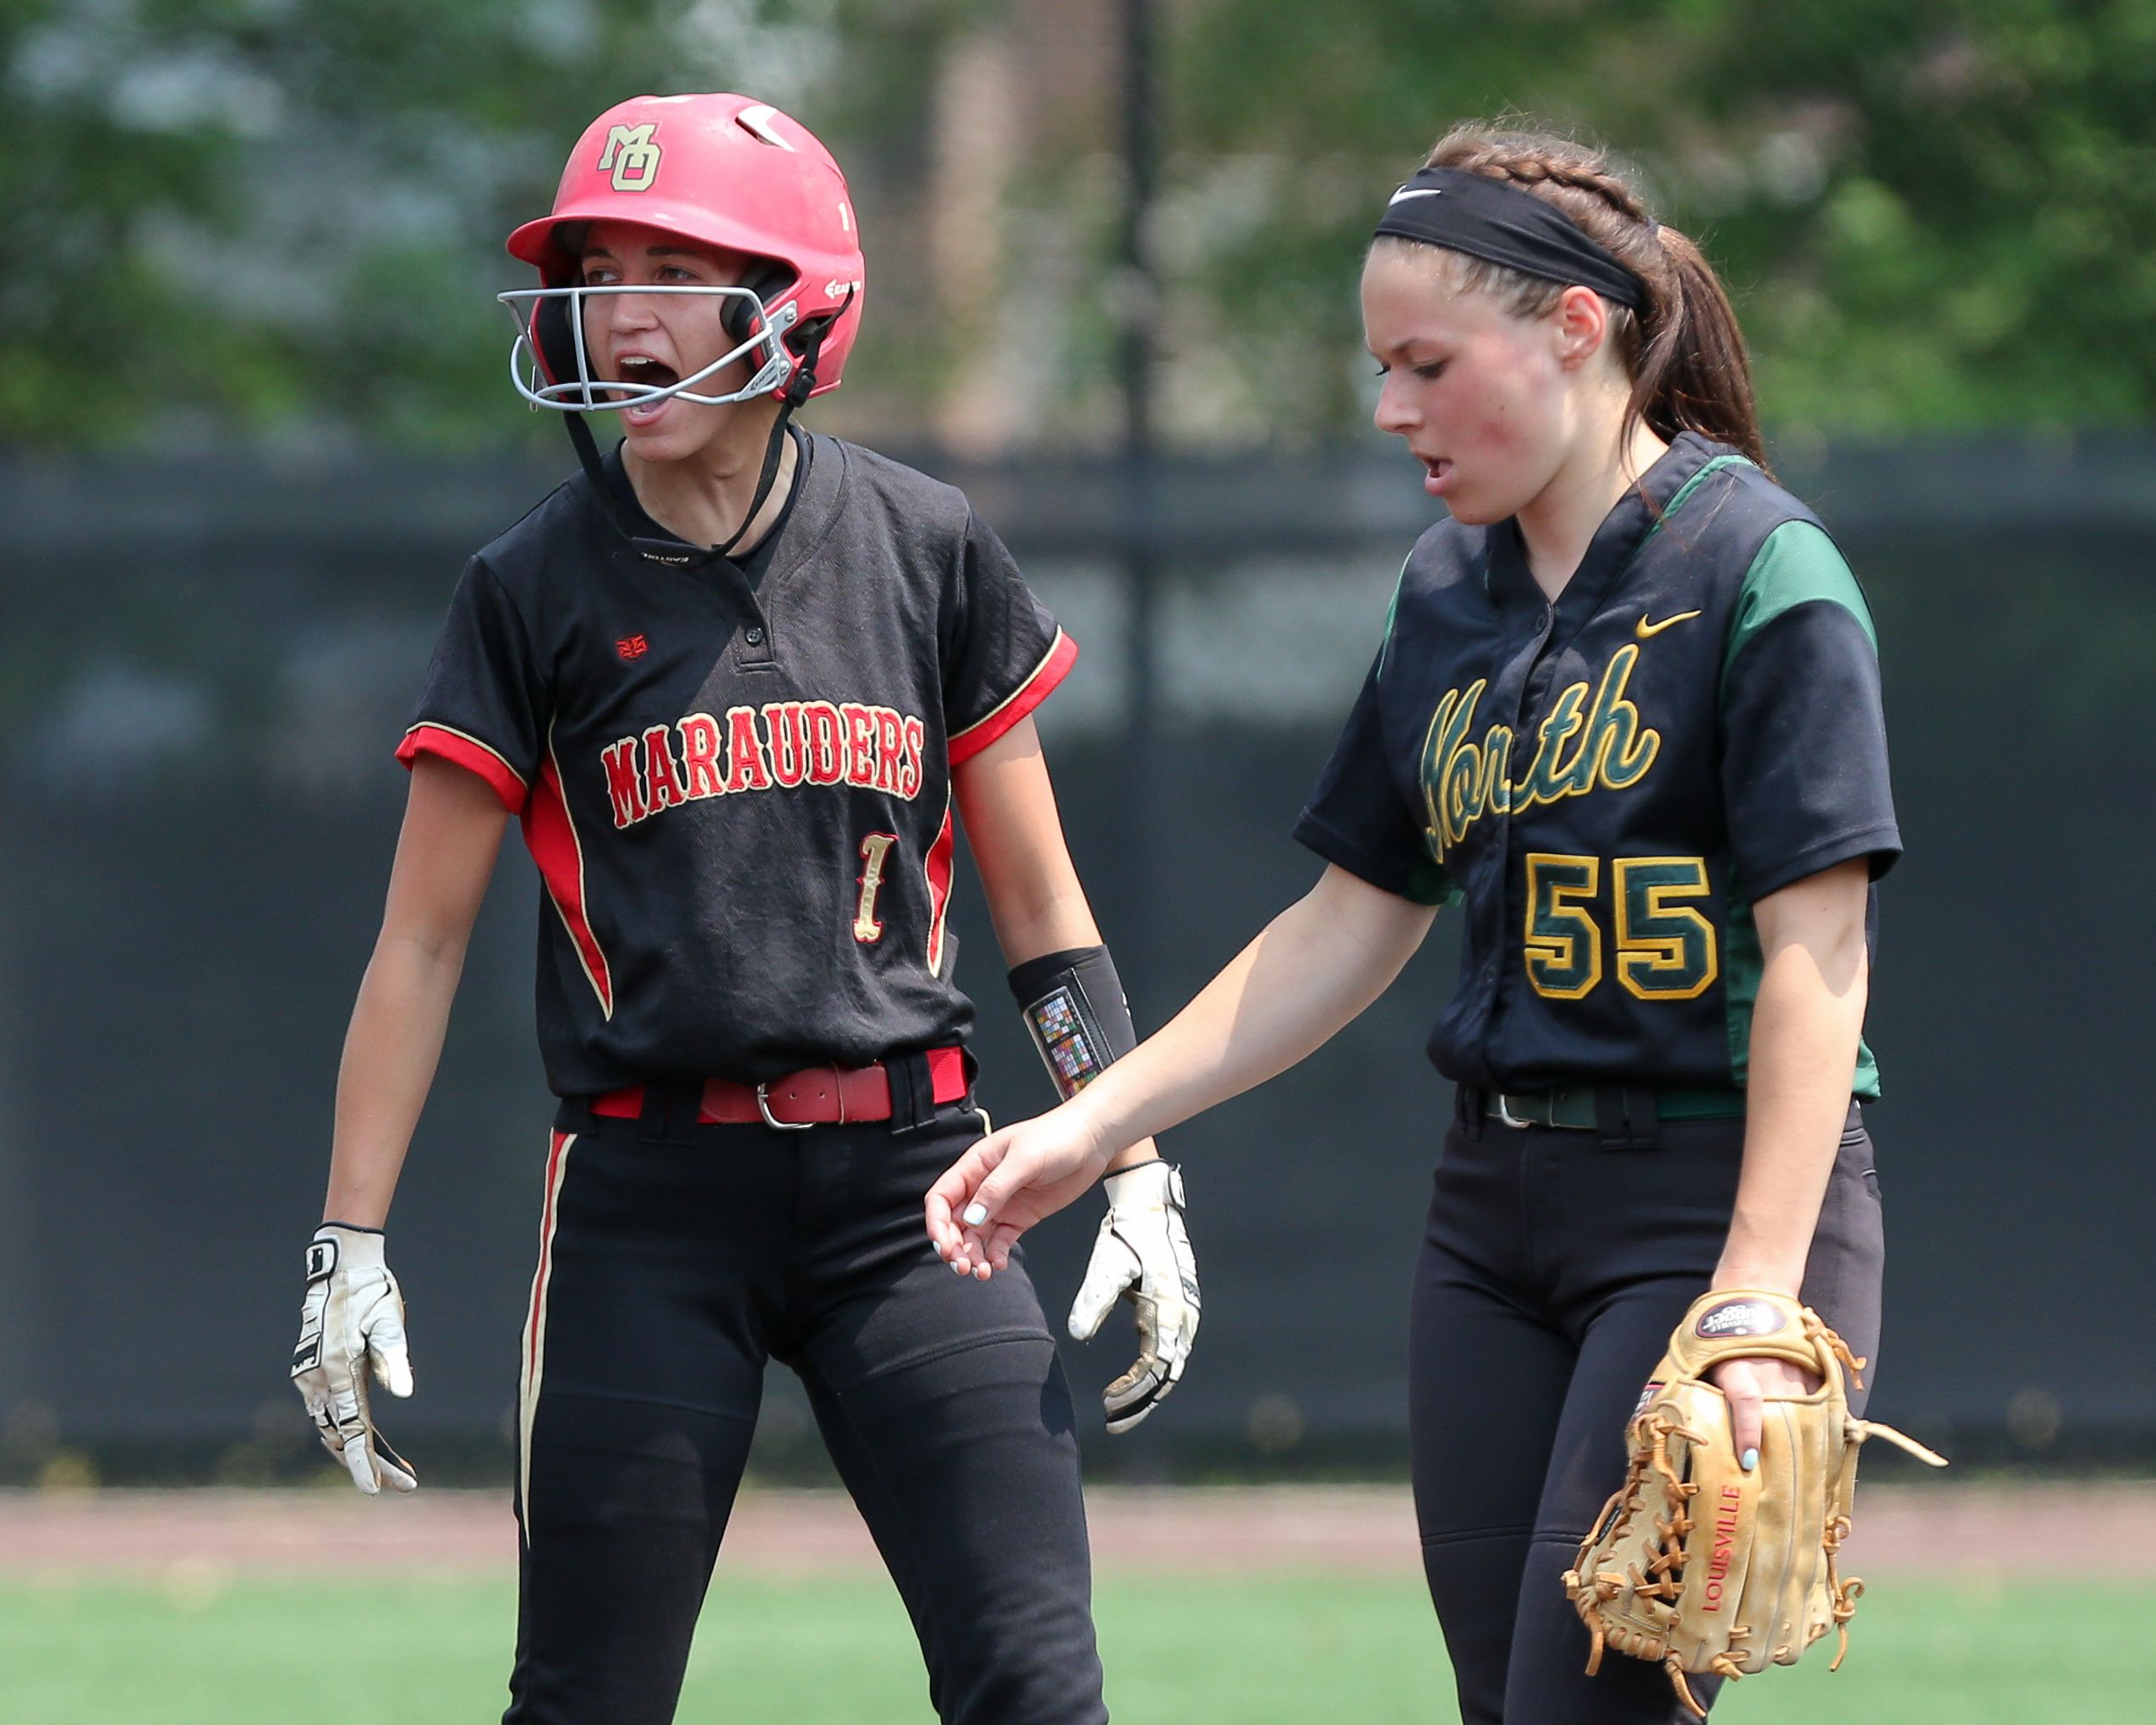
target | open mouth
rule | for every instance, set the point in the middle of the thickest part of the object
(644, 372)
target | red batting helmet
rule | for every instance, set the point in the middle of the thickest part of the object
(725, 171)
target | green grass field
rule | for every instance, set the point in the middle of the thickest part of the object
(1278, 1652)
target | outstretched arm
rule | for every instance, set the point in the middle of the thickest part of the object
(1315, 968)
(1066, 986)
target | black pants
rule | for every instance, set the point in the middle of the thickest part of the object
(1551, 1274)
(669, 1274)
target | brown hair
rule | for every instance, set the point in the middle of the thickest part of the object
(1683, 352)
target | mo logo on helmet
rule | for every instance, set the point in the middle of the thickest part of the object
(632, 157)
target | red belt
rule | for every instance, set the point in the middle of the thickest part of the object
(820, 1096)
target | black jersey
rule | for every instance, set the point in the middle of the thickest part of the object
(735, 778)
(1608, 784)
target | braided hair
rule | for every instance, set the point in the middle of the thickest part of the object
(1683, 352)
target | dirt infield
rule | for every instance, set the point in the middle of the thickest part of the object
(2088, 1530)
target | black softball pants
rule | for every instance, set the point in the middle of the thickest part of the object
(669, 1274)
(1551, 1273)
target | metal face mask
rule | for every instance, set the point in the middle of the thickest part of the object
(549, 361)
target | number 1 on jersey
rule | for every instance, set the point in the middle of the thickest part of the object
(867, 926)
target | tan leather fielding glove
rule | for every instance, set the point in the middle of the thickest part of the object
(1696, 1563)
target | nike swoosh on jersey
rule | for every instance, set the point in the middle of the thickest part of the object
(1647, 630)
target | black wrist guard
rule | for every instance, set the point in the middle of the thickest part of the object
(1073, 1005)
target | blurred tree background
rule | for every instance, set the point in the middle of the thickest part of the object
(253, 416)
(279, 221)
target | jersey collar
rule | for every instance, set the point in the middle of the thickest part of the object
(1617, 543)
(652, 540)
(818, 475)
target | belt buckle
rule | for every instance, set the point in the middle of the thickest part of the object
(770, 1120)
(1506, 1114)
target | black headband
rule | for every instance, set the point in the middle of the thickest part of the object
(1490, 219)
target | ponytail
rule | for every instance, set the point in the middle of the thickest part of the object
(1683, 351)
(1695, 374)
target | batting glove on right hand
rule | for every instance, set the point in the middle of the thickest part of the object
(353, 1322)
(1143, 1255)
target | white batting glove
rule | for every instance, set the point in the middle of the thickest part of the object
(353, 1321)
(1142, 1255)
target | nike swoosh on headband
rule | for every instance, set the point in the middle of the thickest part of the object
(1406, 191)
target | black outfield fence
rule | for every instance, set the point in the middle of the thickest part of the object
(207, 665)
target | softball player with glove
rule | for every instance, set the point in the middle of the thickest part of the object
(1625, 715)
(736, 683)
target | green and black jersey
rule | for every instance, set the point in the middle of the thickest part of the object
(1609, 784)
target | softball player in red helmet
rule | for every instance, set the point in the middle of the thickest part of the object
(738, 685)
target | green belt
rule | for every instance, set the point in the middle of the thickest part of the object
(1573, 1105)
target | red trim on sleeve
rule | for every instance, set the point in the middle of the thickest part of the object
(467, 751)
(938, 869)
(1062, 655)
(550, 836)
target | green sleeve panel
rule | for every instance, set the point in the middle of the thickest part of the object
(1798, 564)
(1430, 885)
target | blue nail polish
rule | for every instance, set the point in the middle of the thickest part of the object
(1748, 1460)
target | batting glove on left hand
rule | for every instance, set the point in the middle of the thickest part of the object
(353, 1322)
(1142, 1255)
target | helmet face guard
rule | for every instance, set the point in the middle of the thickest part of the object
(549, 361)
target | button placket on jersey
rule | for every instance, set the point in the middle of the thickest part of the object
(755, 646)
(1495, 973)
(1608, 558)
